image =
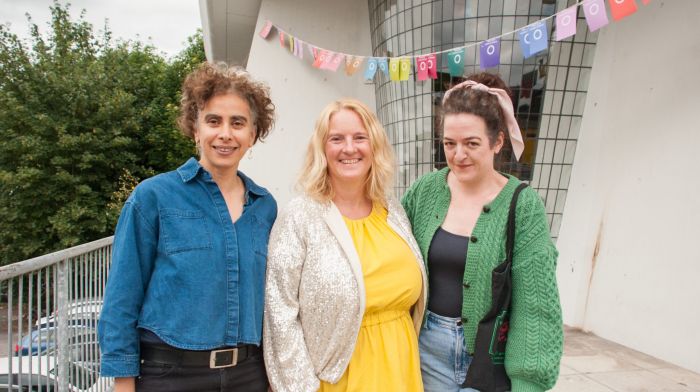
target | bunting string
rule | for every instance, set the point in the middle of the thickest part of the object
(533, 39)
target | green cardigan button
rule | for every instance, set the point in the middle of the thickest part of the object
(473, 239)
(466, 285)
(487, 209)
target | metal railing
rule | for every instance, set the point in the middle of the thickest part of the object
(49, 306)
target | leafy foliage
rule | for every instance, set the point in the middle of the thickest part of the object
(82, 120)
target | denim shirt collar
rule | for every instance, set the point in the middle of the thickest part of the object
(190, 169)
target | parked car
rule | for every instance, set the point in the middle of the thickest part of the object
(43, 339)
(40, 374)
(84, 309)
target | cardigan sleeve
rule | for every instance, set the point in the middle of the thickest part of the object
(289, 366)
(535, 339)
(408, 201)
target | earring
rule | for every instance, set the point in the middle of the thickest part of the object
(250, 153)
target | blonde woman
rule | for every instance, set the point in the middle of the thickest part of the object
(345, 289)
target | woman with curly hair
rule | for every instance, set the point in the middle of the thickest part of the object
(183, 305)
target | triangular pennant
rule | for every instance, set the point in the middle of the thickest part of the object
(352, 64)
(383, 66)
(422, 68)
(566, 23)
(432, 66)
(394, 71)
(533, 39)
(404, 68)
(455, 62)
(335, 62)
(371, 68)
(622, 8)
(328, 60)
(321, 58)
(266, 29)
(299, 46)
(594, 11)
(490, 53)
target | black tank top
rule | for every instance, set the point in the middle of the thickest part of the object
(447, 257)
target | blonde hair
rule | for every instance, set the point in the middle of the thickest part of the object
(314, 178)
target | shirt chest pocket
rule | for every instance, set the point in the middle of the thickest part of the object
(261, 236)
(184, 230)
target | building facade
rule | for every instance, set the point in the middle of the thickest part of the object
(608, 120)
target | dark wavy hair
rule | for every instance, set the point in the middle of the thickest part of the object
(480, 103)
(210, 80)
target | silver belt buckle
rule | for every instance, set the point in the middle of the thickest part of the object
(214, 354)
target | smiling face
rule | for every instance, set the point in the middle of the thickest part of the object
(348, 149)
(224, 132)
(467, 148)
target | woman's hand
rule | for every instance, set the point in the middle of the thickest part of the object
(124, 384)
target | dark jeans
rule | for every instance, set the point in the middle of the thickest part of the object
(248, 375)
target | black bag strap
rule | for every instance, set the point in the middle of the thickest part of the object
(510, 226)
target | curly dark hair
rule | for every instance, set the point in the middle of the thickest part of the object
(210, 80)
(480, 103)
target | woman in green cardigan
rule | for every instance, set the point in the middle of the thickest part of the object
(459, 216)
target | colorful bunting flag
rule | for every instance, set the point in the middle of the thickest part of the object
(533, 39)
(622, 8)
(371, 68)
(352, 64)
(432, 66)
(594, 11)
(490, 53)
(405, 68)
(266, 29)
(383, 66)
(394, 72)
(566, 23)
(336, 61)
(422, 68)
(329, 61)
(455, 62)
(299, 46)
(321, 58)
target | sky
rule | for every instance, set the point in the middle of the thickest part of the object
(165, 24)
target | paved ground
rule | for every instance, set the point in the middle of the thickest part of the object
(592, 364)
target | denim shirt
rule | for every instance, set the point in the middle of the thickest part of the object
(183, 270)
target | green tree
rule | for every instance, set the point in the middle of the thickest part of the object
(82, 119)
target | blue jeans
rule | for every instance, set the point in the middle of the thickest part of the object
(444, 358)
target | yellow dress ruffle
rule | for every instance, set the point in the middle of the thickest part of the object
(386, 353)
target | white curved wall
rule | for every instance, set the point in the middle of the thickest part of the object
(629, 268)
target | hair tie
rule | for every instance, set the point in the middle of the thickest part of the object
(516, 138)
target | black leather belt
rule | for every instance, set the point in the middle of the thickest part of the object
(214, 359)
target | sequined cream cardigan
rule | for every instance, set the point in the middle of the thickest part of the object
(315, 295)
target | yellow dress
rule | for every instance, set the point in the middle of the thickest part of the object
(386, 353)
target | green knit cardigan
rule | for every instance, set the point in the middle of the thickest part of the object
(535, 339)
